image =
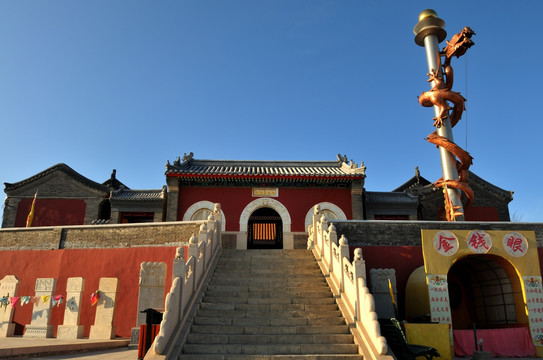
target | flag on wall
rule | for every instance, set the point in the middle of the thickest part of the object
(30, 216)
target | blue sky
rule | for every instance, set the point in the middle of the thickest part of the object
(128, 85)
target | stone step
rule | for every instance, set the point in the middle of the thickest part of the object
(271, 357)
(269, 305)
(223, 279)
(266, 260)
(275, 268)
(279, 275)
(269, 300)
(268, 320)
(269, 330)
(262, 278)
(274, 309)
(270, 339)
(267, 253)
(307, 312)
(277, 293)
(270, 349)
(250, 288)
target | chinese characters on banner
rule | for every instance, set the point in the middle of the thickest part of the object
(445, 243)
(439, 299)
(515, 244)
(479, 241)
(534, 302)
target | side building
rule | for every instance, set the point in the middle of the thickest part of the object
(265, 204)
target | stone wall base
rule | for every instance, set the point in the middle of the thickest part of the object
(102, 332)
(70, 331)
(7, 329)
(39, 331)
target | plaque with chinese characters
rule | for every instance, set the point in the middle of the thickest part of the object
(515, 244)
(265, 192)
(479, 241)
(534, 303)
(445, 243)
(438, 292)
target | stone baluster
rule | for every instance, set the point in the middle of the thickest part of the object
(343, 256)
(193, 247)
(359, 264)
(179, 266)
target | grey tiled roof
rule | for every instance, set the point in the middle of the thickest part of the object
(264, 168)
(58, 167)
(390, 198)
(128, 195)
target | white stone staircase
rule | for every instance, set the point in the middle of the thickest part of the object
(268, 304)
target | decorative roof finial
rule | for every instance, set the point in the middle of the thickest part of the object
(188, 157)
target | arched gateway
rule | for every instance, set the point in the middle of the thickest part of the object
(265, 230)
(263, 224)
(487, 280)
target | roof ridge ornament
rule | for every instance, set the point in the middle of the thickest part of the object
(188, 157)
(353, 168)
(342, 158)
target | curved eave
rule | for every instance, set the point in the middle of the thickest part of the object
(507, 195)
(155, 202)
(321, 178)
(58, 167)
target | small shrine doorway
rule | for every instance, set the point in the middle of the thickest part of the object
(486, 292)
(265, 229)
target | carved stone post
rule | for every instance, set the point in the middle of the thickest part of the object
(193, 247)
(179, 265)
(381, 291)
(343, 253)
(151, 293)
(71, 328)
(332, 234)
(359, 264)
(39, 326)
(8, 287)
(343, 247)
(218, 223)
(105, 310)
(312, 240)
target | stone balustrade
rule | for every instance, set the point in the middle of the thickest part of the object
(347, 280)
(189, 279)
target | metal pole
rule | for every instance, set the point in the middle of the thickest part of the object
(429, 32)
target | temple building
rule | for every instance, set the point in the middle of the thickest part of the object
(265, 204)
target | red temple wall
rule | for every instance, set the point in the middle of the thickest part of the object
(91, 264)
(233, 200)
(482, 213)
(52, 212)
(404, 259)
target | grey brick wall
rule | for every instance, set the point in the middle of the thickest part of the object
(407, 233)
(97, 236)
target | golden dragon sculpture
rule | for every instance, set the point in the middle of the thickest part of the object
(441, 95)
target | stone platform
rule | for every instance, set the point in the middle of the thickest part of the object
(19, 347)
